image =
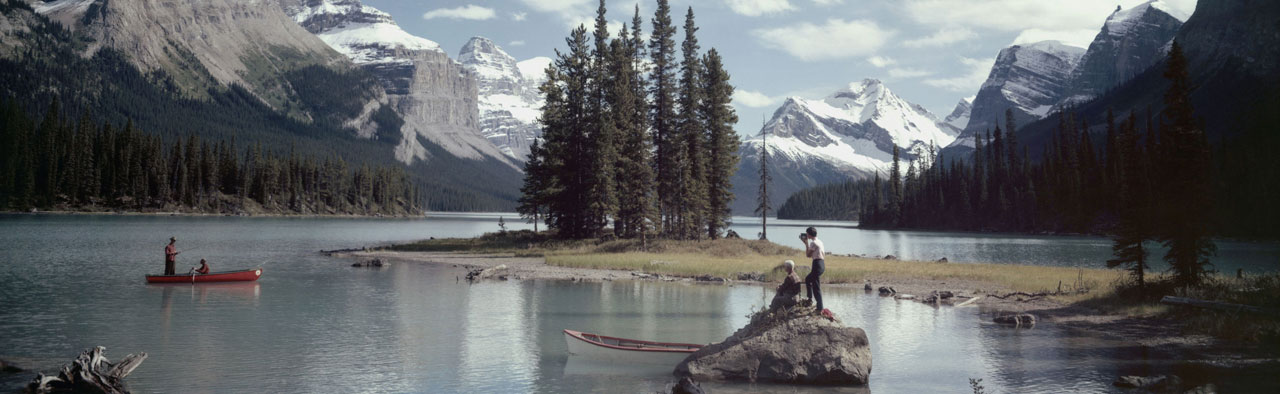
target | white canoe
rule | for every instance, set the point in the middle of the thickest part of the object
(605, 348)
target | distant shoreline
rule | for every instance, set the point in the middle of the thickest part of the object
(204, 214)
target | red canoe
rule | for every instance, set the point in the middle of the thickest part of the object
(228, 276)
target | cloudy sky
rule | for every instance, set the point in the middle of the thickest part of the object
(930, 52)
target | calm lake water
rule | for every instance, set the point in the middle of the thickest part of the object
(313, 324)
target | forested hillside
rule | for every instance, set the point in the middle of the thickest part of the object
(43, 62)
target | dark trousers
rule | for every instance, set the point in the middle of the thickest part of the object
(811, 282)
(168, 267)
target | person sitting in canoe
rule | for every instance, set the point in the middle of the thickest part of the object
(203, 269)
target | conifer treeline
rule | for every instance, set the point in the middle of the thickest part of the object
(648, 154)
(57, 164)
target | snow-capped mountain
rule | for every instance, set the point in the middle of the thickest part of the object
(434, 94)
(849, 134)
(1131, 40)
(509, 102)
(1029, 79)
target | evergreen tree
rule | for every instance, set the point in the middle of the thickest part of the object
(1134, 219)
(662, 113)
(722, 142)
(895, 191)
(762, 197)
(601, 128)
(1185, 184)
(690, 140)
(634, 174)
(537, 187)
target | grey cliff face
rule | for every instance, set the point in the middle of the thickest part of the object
(1130, 42)
(1029, 79)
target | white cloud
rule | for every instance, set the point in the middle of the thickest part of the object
(976, 73)
(834, 40)
(1064, 21)
(519, 16)
(941, 38)
(908, 73)
(881, 61)
(1080, 38)
(516, 43)
(759, 7)
(560, 6)
(469, 11)
(827, 2)
(751, 99)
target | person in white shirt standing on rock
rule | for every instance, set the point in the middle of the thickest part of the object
(814, 249)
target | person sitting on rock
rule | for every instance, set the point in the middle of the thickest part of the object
(789, 289)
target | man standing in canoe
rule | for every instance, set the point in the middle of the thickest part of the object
(814, 249)
(170, 256)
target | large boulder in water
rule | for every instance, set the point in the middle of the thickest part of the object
(785, 345)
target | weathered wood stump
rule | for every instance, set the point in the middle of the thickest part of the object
(89, 373)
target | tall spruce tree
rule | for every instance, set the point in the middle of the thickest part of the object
(762, 197)
(690, 139)
(537, 187)
(1185, 183)
(1133, 214)
(634, 174)
(601, 128)
(722, 142)
(895, 190)
(662, 112)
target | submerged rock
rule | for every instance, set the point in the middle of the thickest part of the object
(686, 386)
(8, 367)
(375, 263)
(887, 291)
(785, 345)
(1018, 320)
(1154, 383)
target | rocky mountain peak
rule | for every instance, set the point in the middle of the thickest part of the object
(959, 117)
(509, 103)
(1029, 79)
(496, 72)
(1130, 41)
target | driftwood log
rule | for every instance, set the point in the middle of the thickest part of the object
(89, 373)
(1222, 306)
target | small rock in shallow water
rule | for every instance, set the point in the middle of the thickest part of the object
(1017, 320)
(866, 286)
(1154, 383)
(708, 278)
(686, 386)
